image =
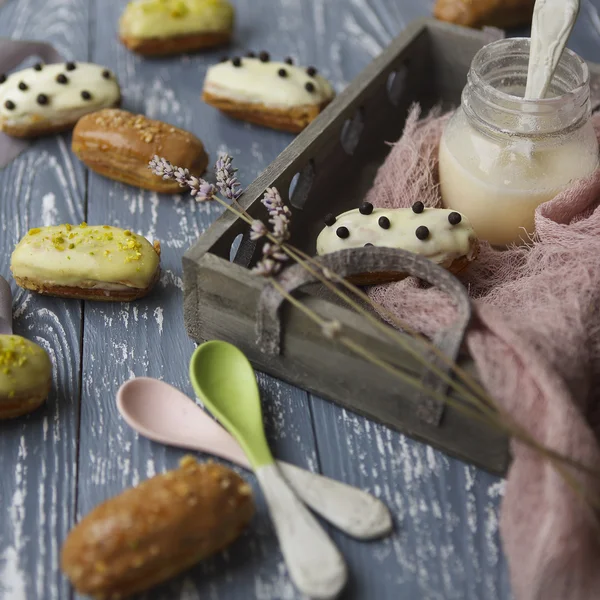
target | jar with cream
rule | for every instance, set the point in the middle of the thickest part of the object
(502, 155)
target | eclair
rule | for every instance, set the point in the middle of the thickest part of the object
(482, 13)
(162, 27)
(46, 99)
(156, 530)
(86, 262)
(25, 376)
(119, 144)
(274, 94)
(443, 236)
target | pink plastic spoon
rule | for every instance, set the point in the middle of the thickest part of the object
(162, 413)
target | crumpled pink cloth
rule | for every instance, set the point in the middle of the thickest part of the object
(536, 344)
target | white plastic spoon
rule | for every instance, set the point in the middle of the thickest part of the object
(553, 21)
(162, 413)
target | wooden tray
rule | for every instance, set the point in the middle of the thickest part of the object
(329, 168)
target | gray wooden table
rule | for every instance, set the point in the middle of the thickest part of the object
(61, 461)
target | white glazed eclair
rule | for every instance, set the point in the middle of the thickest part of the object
(161, 27)
(86, 262)
(274, 94)
(443, 236)
(49, 98)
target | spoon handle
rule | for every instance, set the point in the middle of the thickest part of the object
(5, 308)
(314, 563)
(348, 508)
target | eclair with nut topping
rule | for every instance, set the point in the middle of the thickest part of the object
(156, 530)
(119, 144)
(86, 262)
(162, 27)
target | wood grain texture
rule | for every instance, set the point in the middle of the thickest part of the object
(44, 186)
(56, 464)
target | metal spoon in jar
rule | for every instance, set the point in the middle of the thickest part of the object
(553, 21)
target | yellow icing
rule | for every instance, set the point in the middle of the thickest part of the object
(170, 18)
(85, 256)
(24, 366)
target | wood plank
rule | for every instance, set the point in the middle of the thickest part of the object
(148, 338)
(44, 186)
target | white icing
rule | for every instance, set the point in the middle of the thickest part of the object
(258, 82)
(64, 100)
(445, 243)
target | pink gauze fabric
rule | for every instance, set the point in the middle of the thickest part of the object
(536, 343)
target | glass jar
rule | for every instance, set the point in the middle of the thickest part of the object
(501, 155)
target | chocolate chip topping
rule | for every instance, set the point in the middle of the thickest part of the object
(23, 86)
(368, 244)
(384, 223)
(418, 207)
(86, 95)
(251, 54)
(106, 74)
(42, 99)
(2, 78)
(311, 71)
(454, 218)
(62, 78)
(70, 66)
(329, 220)
(366, 208)
(10, 105)
(236, 61)
(342, 232)
(422, 232)
(310, 87)
(288, 60)
(282, 73)
(264, 56)
(38, 66)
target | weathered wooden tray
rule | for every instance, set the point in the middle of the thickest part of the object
(336, 159)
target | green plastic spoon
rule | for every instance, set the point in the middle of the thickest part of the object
(225, 382)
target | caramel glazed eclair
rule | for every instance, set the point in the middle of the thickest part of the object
(161, 27)
(86, 262)
(118, 144)
(443, 236)
(274, 94)
(50, 98)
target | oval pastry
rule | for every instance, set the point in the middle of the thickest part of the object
(154, 531)
(119, 144)
(274, 94)
(25, 376)
(443, 236)
(50, 98)
(86, 262)
(161, 27)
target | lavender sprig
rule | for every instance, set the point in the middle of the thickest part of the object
(227, 181)
(273, 257)
(199, 188)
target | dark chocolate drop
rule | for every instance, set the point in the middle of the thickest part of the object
(454, 218)
(342, 232)
(422, 232)
(329, 220)
(366, 208)
(42, 99)
(23, 86)
(70, 66)
(38, 66)
(310, 87)
(264, 56)
(384, 223)
(10, 105)
(236, 61)
(288, 60)
(311, 71)
(86, 95)
(282, 73)
(418, 207)
(62, 78)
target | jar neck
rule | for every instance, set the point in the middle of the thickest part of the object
(493, 97)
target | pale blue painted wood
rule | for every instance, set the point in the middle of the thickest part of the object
(69, 456)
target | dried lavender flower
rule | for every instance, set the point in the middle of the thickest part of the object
(258, 230)
(199, 188)
(227, 181)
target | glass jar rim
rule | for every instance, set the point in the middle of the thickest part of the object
(482, 57)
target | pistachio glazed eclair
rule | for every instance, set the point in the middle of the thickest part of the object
(86, 262)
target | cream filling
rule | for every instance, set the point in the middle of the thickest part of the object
(258, 82)
(146, 19)
(445, 242)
